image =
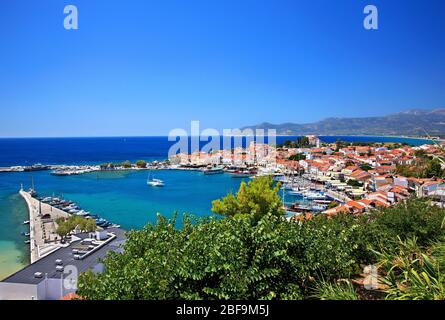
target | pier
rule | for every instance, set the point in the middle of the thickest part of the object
(42, 227)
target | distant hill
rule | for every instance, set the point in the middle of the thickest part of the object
(411, 122)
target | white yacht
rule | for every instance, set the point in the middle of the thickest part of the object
(315, 196)
(155, 182)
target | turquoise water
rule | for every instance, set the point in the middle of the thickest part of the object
(13, 211)
(120, 197)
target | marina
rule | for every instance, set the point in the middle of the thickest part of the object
(121, 194)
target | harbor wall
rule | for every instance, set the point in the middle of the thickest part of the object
(32, 245)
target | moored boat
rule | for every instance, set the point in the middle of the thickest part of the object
(214, 170)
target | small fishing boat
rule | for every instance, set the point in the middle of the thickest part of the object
(318, 208)
(214, 170)
(27, 241)
(241, 174)
(47, 199)
(315, 196)
(26, 222)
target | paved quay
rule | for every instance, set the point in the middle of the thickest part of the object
(42, 227)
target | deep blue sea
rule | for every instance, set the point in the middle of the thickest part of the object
(24, 151)
(120, 197)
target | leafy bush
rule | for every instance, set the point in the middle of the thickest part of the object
(340, 290)
(254, 253)
(414, 274)
(256, 199)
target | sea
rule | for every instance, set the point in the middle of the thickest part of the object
(120, 197)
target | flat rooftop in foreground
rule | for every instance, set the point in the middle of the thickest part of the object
(47, 265)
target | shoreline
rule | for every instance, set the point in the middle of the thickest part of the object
(32, 246)
(39, 247)
(94, 167)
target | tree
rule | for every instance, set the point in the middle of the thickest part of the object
(301, 142)
(256, 199)
(365, 166)
(297, 157)
(420, 153)
(90, 225)
(126, 164)
(63, 230)
(141, 164)
(232, 258)
(66, 225)
(349, 163)
(434, 169)
(354, 183)
(333, 204)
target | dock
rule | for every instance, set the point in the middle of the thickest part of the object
(42, 227)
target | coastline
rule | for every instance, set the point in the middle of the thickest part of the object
(32, 245)
(39, 247)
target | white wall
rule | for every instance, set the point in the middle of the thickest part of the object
(18, 291)
(49, 289)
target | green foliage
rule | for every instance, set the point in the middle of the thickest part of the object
(298, 157)
(233, 258)
(425, 168)
(339, 290)
(141, 164)
(354, 183)
(65, 226)
(414, 218)
(126, 164)
(222, 259)
(349, 163)
(366, 167)
(413, 273)
(256, 199)
(107, 166)
(301, 142)
(434, 169)
(333, 204)
(420, 153)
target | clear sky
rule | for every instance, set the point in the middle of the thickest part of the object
(145, 67)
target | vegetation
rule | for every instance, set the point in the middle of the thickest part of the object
(253, 253)
(340, 290)
(141, 164)
(366, 167)
(301, 142)
(354, 183)
(413, 273)
(107, 166)
(425, 168)
(66, 225)
(389, 145)
(256, 199)
(333, 204)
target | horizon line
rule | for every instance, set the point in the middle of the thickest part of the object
(189, 136)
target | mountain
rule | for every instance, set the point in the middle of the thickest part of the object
(415, 122)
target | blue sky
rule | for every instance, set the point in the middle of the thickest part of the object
(145, 67)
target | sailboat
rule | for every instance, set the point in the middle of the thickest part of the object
(154, 182)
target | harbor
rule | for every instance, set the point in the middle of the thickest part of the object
(324, 180)
(42, 228)
(44, 213)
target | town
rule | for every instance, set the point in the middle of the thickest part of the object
(357, 177)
